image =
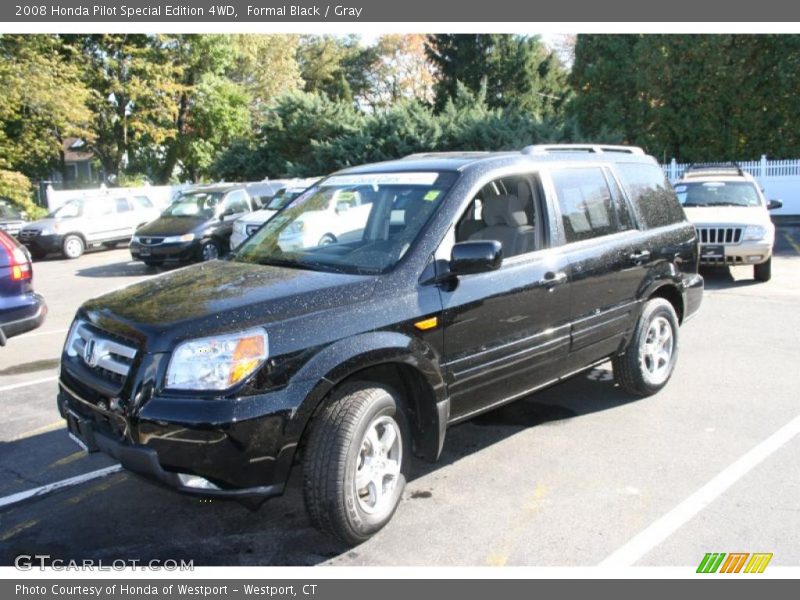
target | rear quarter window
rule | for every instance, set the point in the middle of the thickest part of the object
(653, 198)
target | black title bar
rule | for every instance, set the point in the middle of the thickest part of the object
(370, 11)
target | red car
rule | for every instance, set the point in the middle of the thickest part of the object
(21, 309)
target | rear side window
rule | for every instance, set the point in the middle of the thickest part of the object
(122, 205)
(651, 194)
(587, 209)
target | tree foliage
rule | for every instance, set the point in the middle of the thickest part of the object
(515, 71)
(42, 102)
(692, 97)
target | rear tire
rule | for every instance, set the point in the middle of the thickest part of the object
(763, 272)
(356, 461)
(649, 360)
(72, 246)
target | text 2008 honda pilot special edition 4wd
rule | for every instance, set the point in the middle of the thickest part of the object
(472, 280)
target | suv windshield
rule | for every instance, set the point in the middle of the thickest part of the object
(194, 204)
(361, 223)
(7, 211)
(73, 208)
(718, 193)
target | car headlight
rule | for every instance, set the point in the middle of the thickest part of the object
(49, 229)
(754, 232)
(175, 239)
(218, 362)
(238, 227)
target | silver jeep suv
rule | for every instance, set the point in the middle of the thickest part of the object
(731, 217)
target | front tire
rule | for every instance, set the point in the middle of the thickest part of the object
(72, 246)
(763, 272)
(209, 251)
(356, 462)
(649, 360)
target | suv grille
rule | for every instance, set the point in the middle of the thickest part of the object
(107, 358)
(719, 235)
(27, 234)
(150, 241)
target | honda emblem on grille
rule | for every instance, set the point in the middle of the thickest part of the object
(89, 355)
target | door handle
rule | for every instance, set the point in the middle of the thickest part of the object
(640, 257)
(552, 279)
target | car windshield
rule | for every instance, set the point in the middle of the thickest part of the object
(362, 223)
(7, 211)
(718, 193)
(283, 197)
(72, 208)
(194, 204)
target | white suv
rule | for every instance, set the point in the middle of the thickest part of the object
(246, 226)
(731, 217)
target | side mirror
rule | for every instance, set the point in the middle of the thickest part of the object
(774, 204)
(477, 256)
(225, 213)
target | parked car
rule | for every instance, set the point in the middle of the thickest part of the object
(11, 218)
(197, 226)
(731, 216)
(82, 223)
(476, 279)
(247, 225)
(21, 309)
(263, 191)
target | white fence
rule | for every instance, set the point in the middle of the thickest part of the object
(780, 180)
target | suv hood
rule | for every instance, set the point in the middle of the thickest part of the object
(727, 215)
(220, 297)
(165, 226)
(258, 216)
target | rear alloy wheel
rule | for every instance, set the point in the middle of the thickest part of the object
(356, 461)
(209, 251)
(72, 246)
(649, 359)
(763, 272)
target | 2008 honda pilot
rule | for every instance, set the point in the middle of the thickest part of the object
(464, 281)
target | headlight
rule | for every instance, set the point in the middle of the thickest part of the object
(217, 363)
(238, 227)
(174, 239)
(49, 229)
(754, 232)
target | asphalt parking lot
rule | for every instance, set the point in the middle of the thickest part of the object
(577, 475)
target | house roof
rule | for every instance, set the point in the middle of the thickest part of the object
(75, 150)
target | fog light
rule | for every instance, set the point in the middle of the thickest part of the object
(753, 258)
(196, 482)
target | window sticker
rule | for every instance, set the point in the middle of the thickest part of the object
(432, 195)
(375, 179)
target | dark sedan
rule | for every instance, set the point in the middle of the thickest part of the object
(20, 308)
(196, 227)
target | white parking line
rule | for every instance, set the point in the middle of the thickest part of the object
(661, 529)
(27, 383)
(35, 333)
(58, 485)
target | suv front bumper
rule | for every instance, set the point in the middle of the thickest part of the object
(193, 446)
(159, 253)
(743, 253)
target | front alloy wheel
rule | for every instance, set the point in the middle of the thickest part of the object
(378, 465)
(356, 460)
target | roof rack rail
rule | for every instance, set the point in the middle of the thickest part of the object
(590, 148)
(713, 167)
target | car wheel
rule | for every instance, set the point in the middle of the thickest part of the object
(649, 359)
(763, 272)
(72, 246)
(356, 461)
(327, 240)
(209, 251)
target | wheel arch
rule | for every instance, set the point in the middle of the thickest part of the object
(669, 292)
(405, 364)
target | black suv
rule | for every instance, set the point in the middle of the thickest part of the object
(456, 283)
